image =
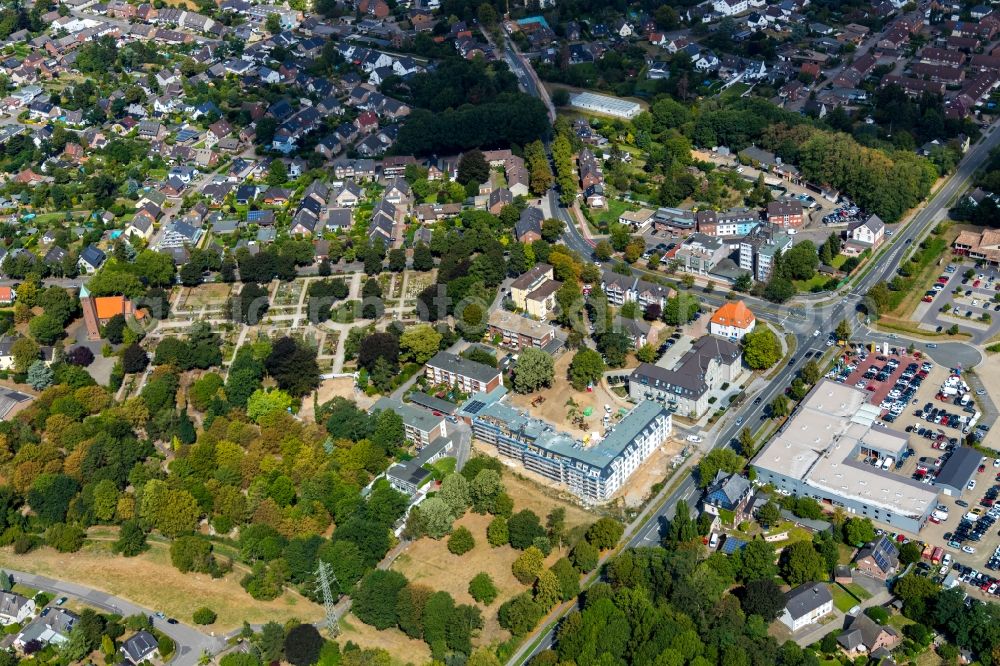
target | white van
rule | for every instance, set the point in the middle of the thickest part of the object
(713, 541)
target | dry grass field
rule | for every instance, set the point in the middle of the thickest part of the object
(402, 648)
(206, 295)
(174, 593)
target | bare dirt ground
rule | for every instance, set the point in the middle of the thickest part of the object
(174, 593)
(332, 388)
(555, 409)
(206, 295)
(651, 472)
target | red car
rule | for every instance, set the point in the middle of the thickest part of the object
(934, 520)
(976, 283)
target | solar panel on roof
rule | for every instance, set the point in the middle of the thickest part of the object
(732, 544)
(474, 406)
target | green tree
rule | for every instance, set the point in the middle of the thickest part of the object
(131, 539)
(800, 563)
(534, 370)
(528, 564)
(473, 168)
(204, 615)
(461, 541)
(587, 367)
(40, 375)
(605, 533)
(482, 588)
(843, 331)
(779, 406)
(455, 493)
(762, 597)
(303, 644)
(524, 527)
(756, 561)
(584, 556)
(723, 459)
(419, 343)
(769, 514)
(375, 598)
(25, 352)
(858, 531)
(761, 348)
(277, 173)
(46, 329)
(497, 533)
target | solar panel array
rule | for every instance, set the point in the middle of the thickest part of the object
(732, 544)
(474, 406)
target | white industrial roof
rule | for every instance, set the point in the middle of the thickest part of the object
(818, 446)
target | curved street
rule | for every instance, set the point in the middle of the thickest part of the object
(191, 643)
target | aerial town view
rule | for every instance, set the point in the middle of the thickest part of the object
(499, 332)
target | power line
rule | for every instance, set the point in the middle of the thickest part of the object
(325, 576)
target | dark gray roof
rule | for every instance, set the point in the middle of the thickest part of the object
(139, 646)
(93, 256)
(525, 280)
(463, 366)
(862, 630)
(884, 552)
(688, 376)
(806, 598)
(959, 468)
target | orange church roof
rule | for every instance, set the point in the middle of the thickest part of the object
(734, 314)
(109, 306)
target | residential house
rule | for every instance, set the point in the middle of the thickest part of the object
(469, 376)
(7, 295)
(785, 214)
(534, 291)
(518, 332)
(879, 559)
(528, 227)
(733, 320)
(866, 235)
(622, 289)
(52, 628)
(420, 426)
(728, 496)
(178, 234)
(91, 259)
(141, 647)
(866, 637)
(805, 605)
(15, 608)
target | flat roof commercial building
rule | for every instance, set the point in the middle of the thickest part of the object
(822, 450)
(594, 471)
(611, 106)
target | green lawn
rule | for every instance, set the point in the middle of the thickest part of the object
(614, 211)
(442, 468)
(818, 280)
(842, 600)
(846, 553)
(858, 591)
(899, 621)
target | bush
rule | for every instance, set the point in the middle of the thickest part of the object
(461, 541)
(166, 646)
(482, 589)
(204, 615)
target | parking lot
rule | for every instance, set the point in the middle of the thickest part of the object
(924, 399)
(965, 299)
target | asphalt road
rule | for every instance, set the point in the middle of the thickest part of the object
(809, 323)
(190, 642)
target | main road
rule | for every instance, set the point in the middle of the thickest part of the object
(808, 323)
